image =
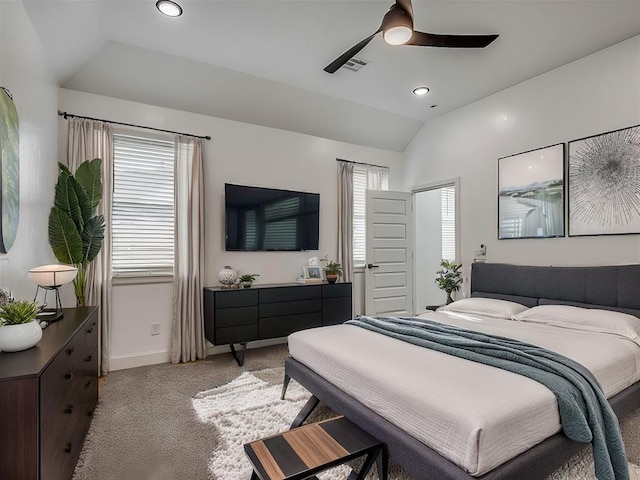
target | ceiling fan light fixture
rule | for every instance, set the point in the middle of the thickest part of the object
(169, 8)
(420, 91)
(397, 29)
(397, 26)
(397, 35)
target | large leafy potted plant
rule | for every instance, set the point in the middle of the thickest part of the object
(76, 233)
(449, 278)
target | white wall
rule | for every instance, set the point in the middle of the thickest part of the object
(238, 153)
(23, 72)
(596, 94)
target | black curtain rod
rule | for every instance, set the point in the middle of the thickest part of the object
(360, 163)
(71, 115)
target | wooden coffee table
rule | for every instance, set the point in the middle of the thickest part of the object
(302, 452)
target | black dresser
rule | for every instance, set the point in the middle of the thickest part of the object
(47, 397)
(238, 316)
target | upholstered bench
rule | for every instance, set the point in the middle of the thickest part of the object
(302, 452)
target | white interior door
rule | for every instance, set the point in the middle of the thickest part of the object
(389, 265)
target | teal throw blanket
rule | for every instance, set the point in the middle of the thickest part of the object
(585, 413)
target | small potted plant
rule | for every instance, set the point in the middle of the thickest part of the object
(247, 279)
(449, 278)
(332, 271)
(19, 328)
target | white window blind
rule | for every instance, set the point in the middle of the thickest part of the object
(365, 177)
(143, 206)
(448, 212)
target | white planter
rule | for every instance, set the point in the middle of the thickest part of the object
(14, 338)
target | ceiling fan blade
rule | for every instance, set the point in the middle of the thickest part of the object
(451, 41)
(348, 55)
(406, 6)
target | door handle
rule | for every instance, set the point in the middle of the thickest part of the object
(371, 265)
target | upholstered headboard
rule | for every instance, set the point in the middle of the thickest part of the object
(608, 287)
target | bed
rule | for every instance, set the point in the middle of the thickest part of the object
(539, 452)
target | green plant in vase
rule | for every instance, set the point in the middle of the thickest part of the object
(76, 232)
(449, 278)
(18, 312)
(247, 279)
(19, 328)
(332, 271)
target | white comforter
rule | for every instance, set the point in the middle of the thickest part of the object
(475, 415)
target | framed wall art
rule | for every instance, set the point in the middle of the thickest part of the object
(9, 170)
(604, 183)
(531, 194)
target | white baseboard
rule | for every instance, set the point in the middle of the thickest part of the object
(139, 360)
(123, 362)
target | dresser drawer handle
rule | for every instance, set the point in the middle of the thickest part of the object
(69, 376)
(90, 330)
(88, 384)
(88, 358)
(70, 350)
(67, 447)
(69, 409)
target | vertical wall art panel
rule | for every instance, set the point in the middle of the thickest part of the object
(531, 194)
(604, 183)
(9, 170)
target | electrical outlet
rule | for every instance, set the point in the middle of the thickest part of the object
(155, 329)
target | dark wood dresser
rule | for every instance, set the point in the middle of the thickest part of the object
(272, 310)
(47, 397)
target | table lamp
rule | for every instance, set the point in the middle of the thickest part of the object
(52, 277)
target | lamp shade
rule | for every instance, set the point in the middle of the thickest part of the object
(52, 275)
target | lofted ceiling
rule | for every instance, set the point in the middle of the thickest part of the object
(261, 62)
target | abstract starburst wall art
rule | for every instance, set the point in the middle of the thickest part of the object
(604, 183)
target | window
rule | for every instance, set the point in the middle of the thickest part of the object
(143, 206)
(365, 177)
(448, 220)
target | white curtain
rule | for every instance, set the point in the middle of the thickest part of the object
(375, 177)
(345, 219)
(89, 139)
(187, 337)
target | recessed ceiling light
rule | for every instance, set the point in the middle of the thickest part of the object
(169, 8)
(420, 91)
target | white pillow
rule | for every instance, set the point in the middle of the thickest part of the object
(591, 319)
(489, 307)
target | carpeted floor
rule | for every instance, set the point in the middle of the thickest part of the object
(189, 421)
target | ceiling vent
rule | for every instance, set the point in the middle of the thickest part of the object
(356, 64)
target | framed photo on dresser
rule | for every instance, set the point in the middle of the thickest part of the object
(313, 272)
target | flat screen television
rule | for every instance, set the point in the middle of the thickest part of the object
(268, 219)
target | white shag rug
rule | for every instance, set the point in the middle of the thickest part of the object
(246, 409)
(249, 408)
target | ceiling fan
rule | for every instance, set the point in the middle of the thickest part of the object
(397, 29)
